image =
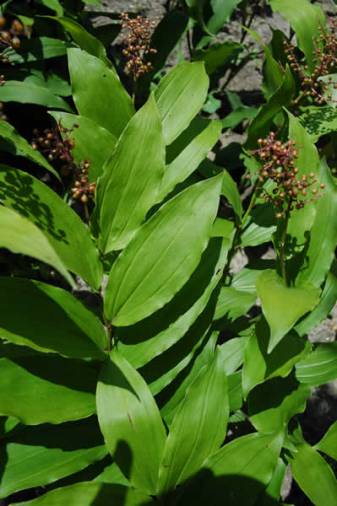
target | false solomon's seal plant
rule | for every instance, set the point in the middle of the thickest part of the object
(176, 381)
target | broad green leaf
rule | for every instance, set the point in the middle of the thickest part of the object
(328, 444)
(20, 235)
(51, 320)
(84, 39)
(36, 49)
(319, 121)
(38, 456)
(235, 394)
(54, 5)
(18, 145)
(327, 301)
(188, 160)
(131, 179)
(198, 428)
(27, 93)
(254, 235)
(272, 404)
(60, 230)
(130, 422)
(235, 118)
(232, 354)
(283, 306)
(218, 55)
(222, 11)
(177, 394)
(282, 97)
(49, 80)
(231, 192)
(274, 489)
(92, 142)
(314, 476)
(38, 388)
(319, 367)
(89, 493)
(180, 96)
(308, 157)
(323, 234)
(233, 303)
(97, 91)
(151, 337)
(238, 472)
(305, 19)
(260, 366)
(159, 260)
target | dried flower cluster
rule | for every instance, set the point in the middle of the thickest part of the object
(291, 190)
(82, 189)
(11, 37)
(54, 147)
(137, 45)
(58, 149)
(325, 58)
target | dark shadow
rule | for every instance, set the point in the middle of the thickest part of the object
(17, 192)
(195, 128)
(230, 490)
(44, 318)
(271, 394)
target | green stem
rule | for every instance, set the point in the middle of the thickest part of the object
(282, 246)
(251, 205)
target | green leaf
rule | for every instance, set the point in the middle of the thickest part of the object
(260, 366)
(54, 5)
(323, 234)
(233, 303)
(131, 179)
(305, 19)
(51, 320)
(88, 493)
(27, 93)
(130, 422)
(36, 49)
(38, 456)
(159, 260)
(235, 118)
(319, 367)
(20, 235)
(60, 235)
(97, 91)
(232, 354)
(308, 157)
(198, 428)
(314, 476)
(328, 444)
(254, 235)
(92, 142)
(151, 337)
(319, 121)
(84, 39)
(231, 192)
(221, 13)
(272, 404)
(218, 55)
(283, 306)
(322, 310)
(38, 388)
(238, 472)
(282, 97)
(18, 145)
(180, 96)
(235, 392)
(197, 140)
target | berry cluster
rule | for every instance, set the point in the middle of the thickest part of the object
(11, 37)
(54, 147)
(137, 45)
(83, 190)
(325, 58)
(290, 190)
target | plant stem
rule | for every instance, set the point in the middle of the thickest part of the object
(282, 246)
(251, 205)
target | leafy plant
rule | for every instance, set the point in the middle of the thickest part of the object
(138, 366)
